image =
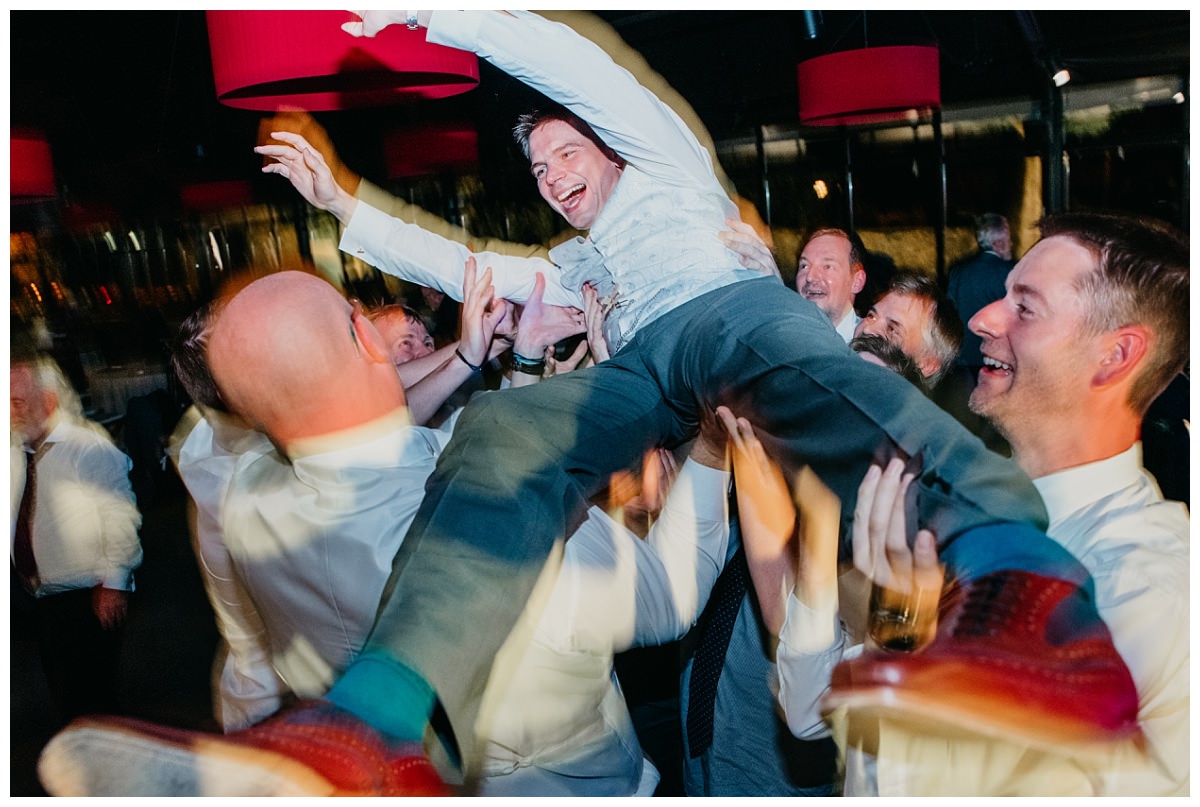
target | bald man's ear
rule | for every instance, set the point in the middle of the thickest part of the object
(367, 336)
(1122, 353)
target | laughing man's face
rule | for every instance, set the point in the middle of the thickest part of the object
(573, 175)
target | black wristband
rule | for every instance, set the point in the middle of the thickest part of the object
(475, 368)
(528, 366)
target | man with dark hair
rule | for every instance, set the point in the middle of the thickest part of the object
(532, 456)
(877, 349)
(189, 362)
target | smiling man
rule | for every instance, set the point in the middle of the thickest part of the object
(830, 273)
(522, 464)
(1094, 324)
(916, 317)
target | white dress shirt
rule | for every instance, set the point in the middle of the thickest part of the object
(86, 521)
(313, 539)
(846, 327)
(205, 447)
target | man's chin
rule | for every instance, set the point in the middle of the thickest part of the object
(979, 404)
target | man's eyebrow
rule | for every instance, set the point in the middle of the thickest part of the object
(1026, 290)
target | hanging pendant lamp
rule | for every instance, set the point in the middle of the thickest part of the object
(869, 85)
(31, 169)
(264, 60)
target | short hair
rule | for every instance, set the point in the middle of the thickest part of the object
(528, 123)
(391, 309)
(944, 337)
(988, 228)
(890, 354)
(189, 357)
(1141, 277)
(47, 376)
(858, 250)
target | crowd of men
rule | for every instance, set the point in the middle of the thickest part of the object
(418, 610)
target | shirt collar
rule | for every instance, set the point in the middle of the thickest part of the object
(1067, 490)
(396, 419)
(846, 326)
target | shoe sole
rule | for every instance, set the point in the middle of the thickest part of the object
(932, 713)
(94, 759)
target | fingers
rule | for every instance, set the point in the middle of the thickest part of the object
(727, 420)
(896, 534)
(470, 271)
(739, 226)
(860, 535)
(928, 573)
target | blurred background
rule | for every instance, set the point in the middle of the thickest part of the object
(135, 195)
(155, 195)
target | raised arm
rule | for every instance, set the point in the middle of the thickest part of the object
(623, 591)
(401, 249)
(481, 314)
(300, 122)
(575, 72)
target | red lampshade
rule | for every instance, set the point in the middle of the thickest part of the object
(869, 85)
(203, 196)
(31, 176)
(266, 59)
(429, 149)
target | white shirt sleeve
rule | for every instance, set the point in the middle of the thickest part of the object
(617, 591)
(570, 69)
(106, 469)
(419, 256)
(811, 643)
(249, 689)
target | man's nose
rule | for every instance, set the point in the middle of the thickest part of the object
(987, 320)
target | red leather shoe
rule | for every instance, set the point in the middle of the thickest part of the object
(313, 749)
(1017, 656)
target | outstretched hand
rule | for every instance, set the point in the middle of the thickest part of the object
(906, 582)
(880, 538)
(370, 23)
(542, 325)
(301, 122)
(303, 166)
(481, 313)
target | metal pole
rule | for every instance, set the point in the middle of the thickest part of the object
(1053, 194)
(762, 167)
(940, 232)
(849, 184)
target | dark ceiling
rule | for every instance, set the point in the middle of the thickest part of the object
(127, 97)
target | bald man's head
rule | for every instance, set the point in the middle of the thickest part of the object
(294, 358)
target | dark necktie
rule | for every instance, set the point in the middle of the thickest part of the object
(716, 628)
(23, 557)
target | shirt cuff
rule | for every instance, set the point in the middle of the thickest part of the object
(357, 235)
(810, 630)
